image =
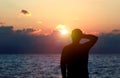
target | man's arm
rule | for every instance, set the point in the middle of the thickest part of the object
(63, 65)
(92, 39)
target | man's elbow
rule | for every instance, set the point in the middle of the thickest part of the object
(96, 38)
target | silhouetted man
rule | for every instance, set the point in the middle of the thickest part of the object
(74, 58)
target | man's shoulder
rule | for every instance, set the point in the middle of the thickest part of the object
(66, 49)
(67, 46)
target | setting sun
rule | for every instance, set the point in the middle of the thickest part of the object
(62, 29)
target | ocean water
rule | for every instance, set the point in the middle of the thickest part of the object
(47, 66)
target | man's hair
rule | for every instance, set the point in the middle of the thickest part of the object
(76, 34)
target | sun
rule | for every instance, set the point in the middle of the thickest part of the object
(62, 29)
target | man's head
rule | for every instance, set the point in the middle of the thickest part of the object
(76, 35)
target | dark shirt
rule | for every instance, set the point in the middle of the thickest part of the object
(74, 60)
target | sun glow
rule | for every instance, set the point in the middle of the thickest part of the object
(62, 29)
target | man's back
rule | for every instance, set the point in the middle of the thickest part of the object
(74, 58)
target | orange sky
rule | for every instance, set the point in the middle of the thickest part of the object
(89, 15)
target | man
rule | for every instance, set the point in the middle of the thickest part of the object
(74, 58)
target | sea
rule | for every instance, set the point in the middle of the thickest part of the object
(48, 66)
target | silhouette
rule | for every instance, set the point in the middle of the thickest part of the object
(74, 58)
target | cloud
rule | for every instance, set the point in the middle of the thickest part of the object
(6, 30)
(108, 42)
(25, 12)
(116, 31)
(1, 23)
(22, 41)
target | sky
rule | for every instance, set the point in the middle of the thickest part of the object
(46, 15)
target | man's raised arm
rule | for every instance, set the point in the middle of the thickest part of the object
(92, 39)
